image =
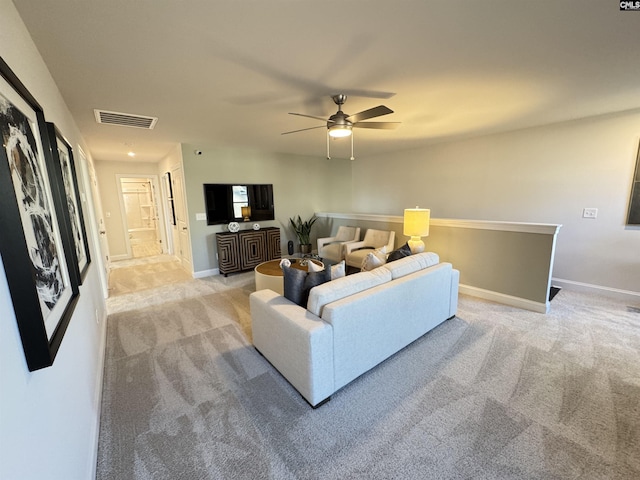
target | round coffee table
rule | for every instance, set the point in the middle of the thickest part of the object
(269, 274)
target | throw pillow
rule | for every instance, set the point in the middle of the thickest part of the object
(403, 251)
(338, 270)
(374, 259)
(297, 283)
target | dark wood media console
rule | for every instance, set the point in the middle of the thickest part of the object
(241, 251)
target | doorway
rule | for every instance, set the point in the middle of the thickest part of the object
(140, 215)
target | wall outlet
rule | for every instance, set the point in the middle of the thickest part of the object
(201, 216)
(590, 213)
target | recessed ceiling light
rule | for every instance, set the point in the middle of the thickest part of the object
(131, 154)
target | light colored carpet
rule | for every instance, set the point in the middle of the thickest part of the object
(495, 393)
(139, 274)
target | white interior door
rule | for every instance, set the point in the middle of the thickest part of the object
(183, 241)
(98, 220)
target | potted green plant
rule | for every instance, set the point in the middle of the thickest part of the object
(303, 232)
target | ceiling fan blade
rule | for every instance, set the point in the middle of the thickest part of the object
(372, 112)
(309, 116)
(303, 129)
(379, 125)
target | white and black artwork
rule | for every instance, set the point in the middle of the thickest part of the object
(33, 244)
(63, 161)
(28, 177)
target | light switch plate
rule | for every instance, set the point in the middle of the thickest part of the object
(201, 216)
(590, 213)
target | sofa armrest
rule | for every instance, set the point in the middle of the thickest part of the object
(455, 284)
(296, 342)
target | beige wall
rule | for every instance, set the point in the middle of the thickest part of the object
(301, 186)
(49, 418)
(543, 175)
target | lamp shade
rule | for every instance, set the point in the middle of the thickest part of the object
(416, 222)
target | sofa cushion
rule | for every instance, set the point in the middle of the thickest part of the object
(298, 283)
(345, 286)
(403, 251)
(411, 264)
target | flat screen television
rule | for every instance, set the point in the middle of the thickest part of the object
(224, 202)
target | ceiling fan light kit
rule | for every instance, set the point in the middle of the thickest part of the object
(339, 131)
(340, 125)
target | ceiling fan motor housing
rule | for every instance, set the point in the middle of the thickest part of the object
(340, 119)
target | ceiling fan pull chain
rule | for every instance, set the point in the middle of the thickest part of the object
(328, 148)
(352, 157)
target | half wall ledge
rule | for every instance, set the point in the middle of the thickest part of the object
(505, 262)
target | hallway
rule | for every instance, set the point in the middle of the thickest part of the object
(138, 274)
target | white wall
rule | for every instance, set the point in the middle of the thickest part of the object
(546, 174)
(49, 418)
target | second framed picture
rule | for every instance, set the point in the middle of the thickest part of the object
(64, 168)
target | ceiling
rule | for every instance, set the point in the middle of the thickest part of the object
(227, 73)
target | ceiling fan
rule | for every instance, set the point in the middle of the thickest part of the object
(341, 124)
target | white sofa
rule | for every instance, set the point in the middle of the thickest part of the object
(353, 323)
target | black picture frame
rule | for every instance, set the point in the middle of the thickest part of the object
(63, 166)
(34, 244)
(633, 215)
(169, 189)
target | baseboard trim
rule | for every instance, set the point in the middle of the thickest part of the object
(124, 256)
(206, 273)
(504, 299)
(597, 289)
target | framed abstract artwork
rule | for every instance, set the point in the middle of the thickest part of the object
(34, 244)
(633, 215)
(64, 168)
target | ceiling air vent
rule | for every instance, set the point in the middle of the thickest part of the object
(125, 119)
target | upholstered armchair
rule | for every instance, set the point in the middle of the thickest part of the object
(373, 239)
(332, 248)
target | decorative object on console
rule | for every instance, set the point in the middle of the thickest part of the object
(416, 225)
(303, 232)
(234, 227)
(246, 213)
(256, 226)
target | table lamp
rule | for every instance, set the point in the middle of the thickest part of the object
(246, 213)
(416, 226)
